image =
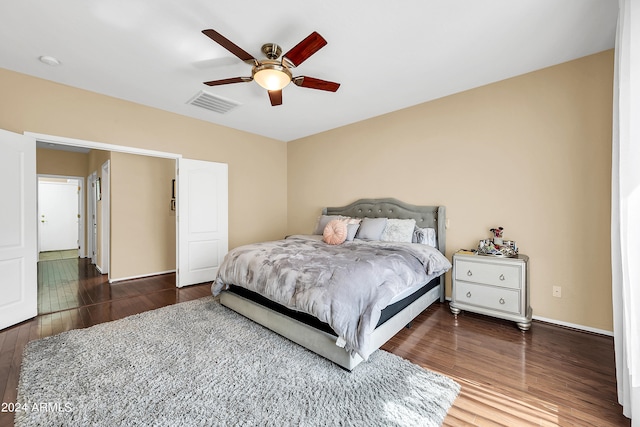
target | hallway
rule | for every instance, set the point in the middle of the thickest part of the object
(53, 255)
(75, 283)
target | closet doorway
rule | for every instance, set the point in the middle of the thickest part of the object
(24, 215)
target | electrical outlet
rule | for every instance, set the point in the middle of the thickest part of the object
(557, 291)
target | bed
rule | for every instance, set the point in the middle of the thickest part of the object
(342, 301)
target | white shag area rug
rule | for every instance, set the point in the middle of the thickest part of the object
(200, 364)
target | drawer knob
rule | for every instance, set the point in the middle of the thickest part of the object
(501, 301)
(501, 277)
(469, 294)
(469, 273)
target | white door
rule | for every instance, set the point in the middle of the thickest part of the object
(105, 219)
(58, 215)
(18, 230)
(203, 220)
(92, 236)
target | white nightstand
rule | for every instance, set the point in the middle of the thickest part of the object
(494, 286)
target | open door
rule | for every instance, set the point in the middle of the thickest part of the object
(92, 227)
(18, 235)
(203, 220)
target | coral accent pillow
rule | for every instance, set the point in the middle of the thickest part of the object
(335, 232)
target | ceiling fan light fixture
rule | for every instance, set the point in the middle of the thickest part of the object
(272, 76)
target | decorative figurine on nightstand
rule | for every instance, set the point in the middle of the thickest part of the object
(498, 246)
(497, 235)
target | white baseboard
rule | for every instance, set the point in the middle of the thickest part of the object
(574, 326)
(121, 279)
(569, 325)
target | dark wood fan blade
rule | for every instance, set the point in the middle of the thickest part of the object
(229, 45)
(303, 50)
(276, 97)
(313, 83)
(228, 81)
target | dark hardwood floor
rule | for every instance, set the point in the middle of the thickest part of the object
(548, 376)
(72, 294)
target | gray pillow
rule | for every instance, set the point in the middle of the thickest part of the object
(371, 228)
(418, 235)
(352, 229)
(323, 220)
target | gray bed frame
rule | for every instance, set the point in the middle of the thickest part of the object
(323, 343)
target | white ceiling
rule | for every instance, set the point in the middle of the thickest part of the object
(386, 55)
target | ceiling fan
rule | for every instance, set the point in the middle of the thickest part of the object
(272, 73)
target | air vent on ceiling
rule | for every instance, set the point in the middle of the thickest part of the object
(213, 102)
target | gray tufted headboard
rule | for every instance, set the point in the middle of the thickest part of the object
(425, 216)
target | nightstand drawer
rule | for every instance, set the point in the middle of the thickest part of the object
(487, 297)
(489, 274)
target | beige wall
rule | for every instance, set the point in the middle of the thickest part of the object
(257, 165)
(66, 163)
(140, 207)
(531, 154)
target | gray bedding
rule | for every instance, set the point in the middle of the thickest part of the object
(345, 286)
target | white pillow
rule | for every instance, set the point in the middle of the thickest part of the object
(429, 237)
(398, 230)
